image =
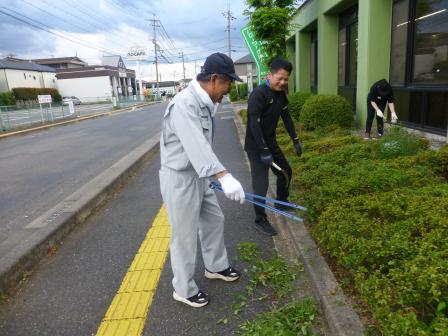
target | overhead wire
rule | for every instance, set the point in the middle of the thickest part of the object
(41, 26)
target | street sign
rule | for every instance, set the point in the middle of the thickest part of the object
(258, 53)
(137, 53)
(44, 99)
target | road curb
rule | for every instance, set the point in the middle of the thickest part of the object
(92, 116)
(340, 317)
(41, 237)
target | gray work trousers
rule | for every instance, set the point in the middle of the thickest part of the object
(192, 209)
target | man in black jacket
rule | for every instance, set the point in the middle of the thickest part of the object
(267, 103)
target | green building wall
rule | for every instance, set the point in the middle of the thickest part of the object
(374, 40)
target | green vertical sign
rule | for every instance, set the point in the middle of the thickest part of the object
(258, 53)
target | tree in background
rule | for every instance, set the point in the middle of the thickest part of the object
(269, 21)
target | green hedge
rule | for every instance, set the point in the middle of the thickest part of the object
(295, 103)
(380, 209)
(243, 114)
(7, 99)
(242, 91)
(233, 95)
(32, 93)
(325, 110)
(396, 246)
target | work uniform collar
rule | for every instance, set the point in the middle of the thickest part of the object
(204, 97)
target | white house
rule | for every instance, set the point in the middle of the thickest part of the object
(20, 73)
(97, 82)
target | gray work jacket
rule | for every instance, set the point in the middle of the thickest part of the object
(186, 138)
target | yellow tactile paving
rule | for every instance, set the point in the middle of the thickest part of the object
(139, 281)
(128, 311)
(148, 261)
(129, 305)
(122, 327)
(154, 245)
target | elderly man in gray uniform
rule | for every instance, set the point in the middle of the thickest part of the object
(188, 164)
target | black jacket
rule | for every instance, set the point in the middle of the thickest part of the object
(265, 107)
(380, 98)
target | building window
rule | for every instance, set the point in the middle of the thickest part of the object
(24, 75)
(399, 43)
(313, 63)
(348, 55)
(419, 63)
(34, 77)
(430, 61)
(341, 56)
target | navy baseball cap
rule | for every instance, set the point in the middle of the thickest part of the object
(220, 64)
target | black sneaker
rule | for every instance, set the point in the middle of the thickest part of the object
(265, 227)
(229, 274)
(196, 301)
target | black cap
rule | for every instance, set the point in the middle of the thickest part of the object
(220, 64)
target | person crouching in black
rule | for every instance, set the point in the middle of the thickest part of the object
(380, 93)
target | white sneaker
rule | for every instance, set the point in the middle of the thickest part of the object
(196, 301)
(229, 274)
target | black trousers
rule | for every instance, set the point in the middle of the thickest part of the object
(260, 178)
(371, 113)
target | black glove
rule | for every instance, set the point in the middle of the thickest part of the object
(266, 157)
(297, 147)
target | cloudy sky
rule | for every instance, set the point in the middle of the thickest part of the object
(92, 28)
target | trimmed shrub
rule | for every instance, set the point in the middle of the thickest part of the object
(7, 99)
(325, 110)
(395, 245)
(295, 103)
(26, 94)
(399, 143)
(381, 211)
(233, 95)
(243, 115)
(242, 91)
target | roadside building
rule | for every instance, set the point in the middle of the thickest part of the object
(245, 68)
(344, 46)
(61, 62)
(98, 82)
(21, 73)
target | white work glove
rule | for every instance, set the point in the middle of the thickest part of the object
(379, 113)
(232, 188)
(394, 117)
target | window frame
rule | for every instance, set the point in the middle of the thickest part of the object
(410, 46)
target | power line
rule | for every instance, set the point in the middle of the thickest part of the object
(84, 14)
(58, 17)
(47, 29)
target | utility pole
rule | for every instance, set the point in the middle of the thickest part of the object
(181, 54)
(154, 40)
(229, 17)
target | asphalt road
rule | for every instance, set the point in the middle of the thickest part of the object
(41, 168)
